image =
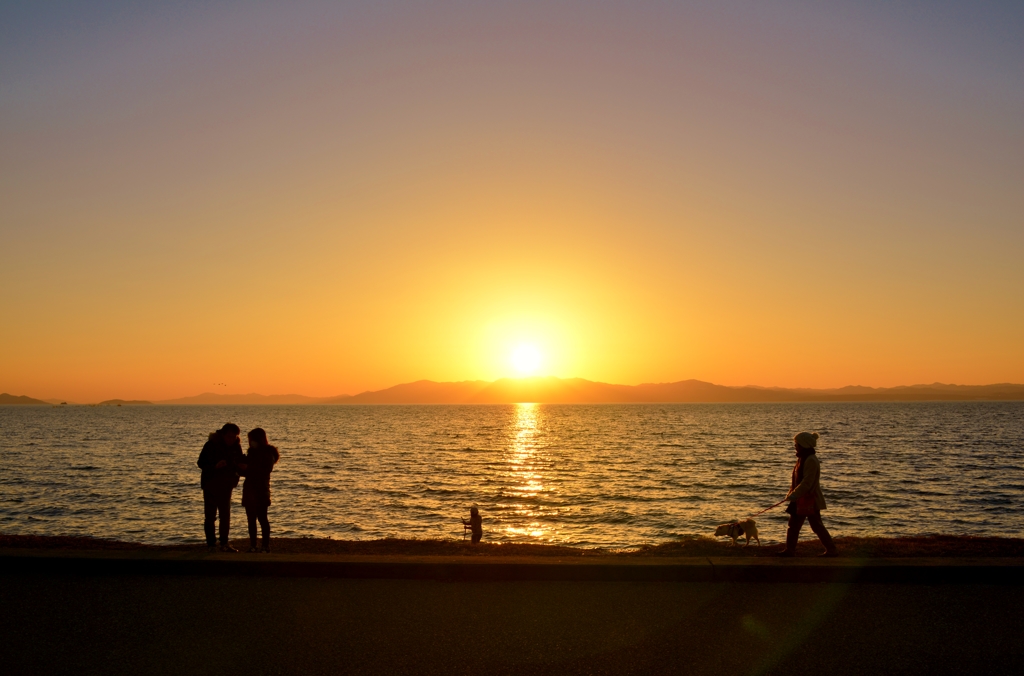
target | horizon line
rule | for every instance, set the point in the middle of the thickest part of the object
(830, 392)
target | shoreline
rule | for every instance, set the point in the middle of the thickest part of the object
(454, 562)
(928, 546)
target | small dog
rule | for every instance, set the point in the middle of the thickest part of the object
(738, 529)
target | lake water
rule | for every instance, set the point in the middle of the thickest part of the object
(583, 475)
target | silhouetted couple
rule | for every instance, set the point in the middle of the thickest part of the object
(222, 462)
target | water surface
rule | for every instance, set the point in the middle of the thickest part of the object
(603, 475)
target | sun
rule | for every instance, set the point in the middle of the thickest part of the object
(526, 359)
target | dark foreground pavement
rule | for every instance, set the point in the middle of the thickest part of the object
(998, 570)
(151, 624)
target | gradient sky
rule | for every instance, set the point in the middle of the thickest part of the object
(325, 198)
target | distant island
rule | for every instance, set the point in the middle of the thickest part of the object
(249, 399)
(550, 390)
(11, 400)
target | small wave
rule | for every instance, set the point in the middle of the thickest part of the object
(609, 475)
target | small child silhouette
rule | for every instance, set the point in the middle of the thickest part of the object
(475, 524)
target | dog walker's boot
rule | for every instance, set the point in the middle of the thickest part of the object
(792, 537)
(826, 539)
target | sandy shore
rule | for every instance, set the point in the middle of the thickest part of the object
(931, 546)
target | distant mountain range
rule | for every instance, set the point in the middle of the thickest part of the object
(579, 391)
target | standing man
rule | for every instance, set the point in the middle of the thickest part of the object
(221, 461)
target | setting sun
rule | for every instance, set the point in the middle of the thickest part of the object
(526, 359)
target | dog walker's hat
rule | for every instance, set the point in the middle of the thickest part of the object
(807, 439)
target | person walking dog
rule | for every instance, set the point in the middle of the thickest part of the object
(805, 497)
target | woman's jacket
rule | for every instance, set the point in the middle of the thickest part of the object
(810, 482)
(259, 464)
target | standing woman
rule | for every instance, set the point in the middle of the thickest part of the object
(260, 461)
(805, 497)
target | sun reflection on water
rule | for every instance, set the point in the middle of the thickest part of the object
(525, 480)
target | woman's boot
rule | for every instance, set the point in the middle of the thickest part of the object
(826, 538)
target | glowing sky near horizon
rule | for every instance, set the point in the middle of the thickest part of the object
(325, 198)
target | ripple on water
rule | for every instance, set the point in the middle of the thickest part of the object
(595, 475)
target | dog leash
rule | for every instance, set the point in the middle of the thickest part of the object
(768, 508)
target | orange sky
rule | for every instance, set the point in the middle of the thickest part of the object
(337, 198)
